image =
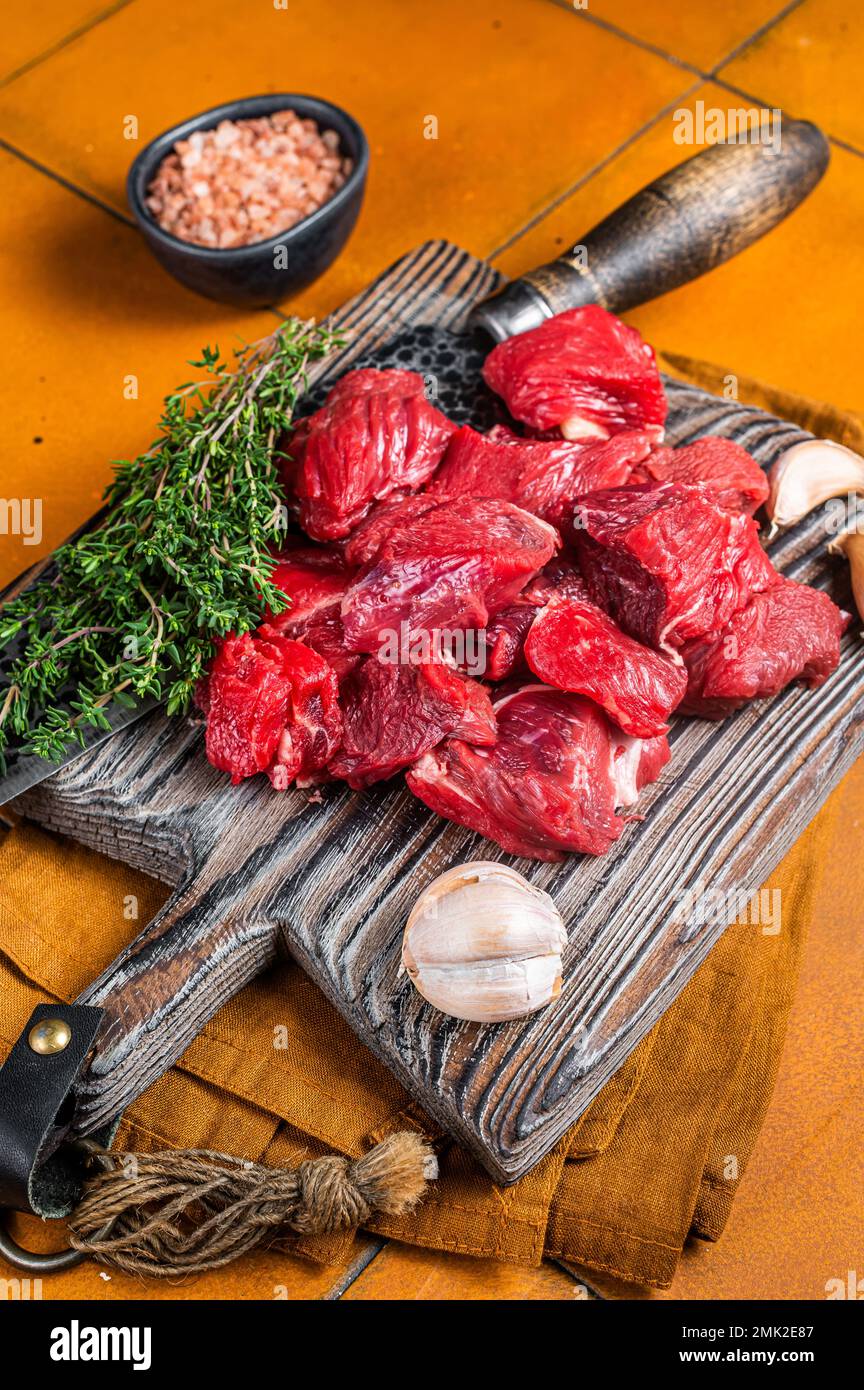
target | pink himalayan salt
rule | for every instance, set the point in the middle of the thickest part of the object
(247, 180)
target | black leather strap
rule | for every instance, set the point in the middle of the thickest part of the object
(35, 1110)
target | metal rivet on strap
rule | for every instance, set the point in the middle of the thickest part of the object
(49, 1035)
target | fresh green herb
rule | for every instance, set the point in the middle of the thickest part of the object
(180, 558)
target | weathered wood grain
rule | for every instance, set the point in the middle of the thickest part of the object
(331, 880)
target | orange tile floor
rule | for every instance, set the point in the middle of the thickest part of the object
(549, 114)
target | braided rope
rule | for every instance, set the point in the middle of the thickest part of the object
(184, 1211)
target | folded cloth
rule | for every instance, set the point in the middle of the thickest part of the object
(277, 1075)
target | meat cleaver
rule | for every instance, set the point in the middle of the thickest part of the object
(685, 223)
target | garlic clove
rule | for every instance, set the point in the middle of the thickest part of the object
(809, 474)
(491, 992)
(851, 544)
(483, 944)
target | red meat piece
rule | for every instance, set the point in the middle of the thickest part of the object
(393, 713)
(574, 646)
(789, 632)
(325, 634)
(666, 562)
(315, 578)
(504, 641)
(561, 578)
(583, 372)
(506, 633)
(545, 476)
(552, 781)
(733, 478)
(369, 536)
(376, 434)
(271, 707)
(446, 570)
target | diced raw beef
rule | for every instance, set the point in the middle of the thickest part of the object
(561, 578)
(504, 640)
(506, 633)
(574, 646)
(447, 570)
(636, 762)
(733, 478)
(393, 713)
(366, 540)
(545, 476)
(325, 634)
(376, 434)
(315, 578)
(583, 372)
(666, 562)
(552, 781)
(271, 706)
(789, 632)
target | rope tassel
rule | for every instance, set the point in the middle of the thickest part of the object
(188, 1210)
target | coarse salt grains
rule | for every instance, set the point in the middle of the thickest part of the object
(246, 180)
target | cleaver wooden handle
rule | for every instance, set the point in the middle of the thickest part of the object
(685, 223)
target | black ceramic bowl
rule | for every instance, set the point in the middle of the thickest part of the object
(249, 275)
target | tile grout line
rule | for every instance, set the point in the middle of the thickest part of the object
(97, 202)
(707, 74)
(67, 184)
(844, 145)
(590, 173)
(757, 34)
(620, 33)
(62, 43)
(759, 101)
(704, 75)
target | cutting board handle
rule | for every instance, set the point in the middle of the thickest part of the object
(685, 223)
(204, 945)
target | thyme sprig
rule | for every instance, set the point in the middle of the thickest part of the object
(180, 557)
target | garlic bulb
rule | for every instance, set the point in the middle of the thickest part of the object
(809, 474)
(482, 944)
(851, 544)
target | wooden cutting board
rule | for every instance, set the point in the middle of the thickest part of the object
(331, 880)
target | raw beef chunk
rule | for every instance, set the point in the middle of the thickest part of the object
(506, 633)
(377, 434)
(504, 641)
(545, 476)
(574, 646)
(666, 562)
(583, 372)
(446, 570)
(552, 781)
(733, 478)
(394, 713)
(787, 633)
(271, 706)
(561, 578)
(369, 536)
(315, 578)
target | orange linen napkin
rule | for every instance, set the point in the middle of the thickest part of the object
(657, 1156)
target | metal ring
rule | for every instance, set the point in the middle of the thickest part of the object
(30, 1261)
